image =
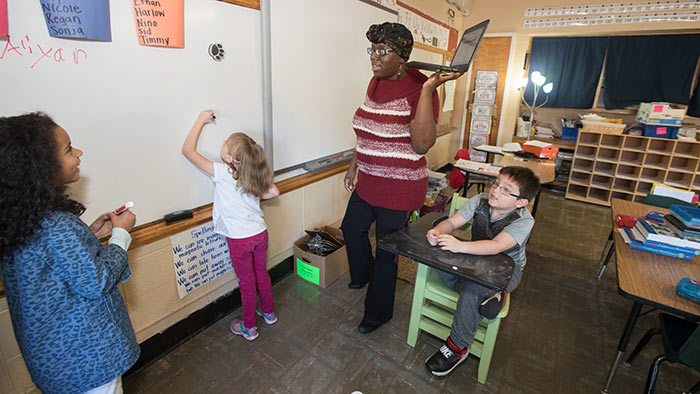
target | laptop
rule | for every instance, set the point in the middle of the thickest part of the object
(464, 54)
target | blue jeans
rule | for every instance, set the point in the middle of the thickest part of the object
(467, 317)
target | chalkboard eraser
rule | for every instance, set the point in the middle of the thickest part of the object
(176, 216)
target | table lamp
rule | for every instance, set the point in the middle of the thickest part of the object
(538, 81)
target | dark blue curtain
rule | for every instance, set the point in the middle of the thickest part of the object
(572, 64)
(650, 68)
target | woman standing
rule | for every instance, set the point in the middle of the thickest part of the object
(395, 127)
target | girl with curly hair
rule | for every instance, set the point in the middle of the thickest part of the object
(68, 315)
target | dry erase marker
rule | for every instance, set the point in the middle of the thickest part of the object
(120, 210)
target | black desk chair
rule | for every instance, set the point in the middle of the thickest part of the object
(470, 180)
(681, 340)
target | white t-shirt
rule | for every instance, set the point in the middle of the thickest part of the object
(235, 214)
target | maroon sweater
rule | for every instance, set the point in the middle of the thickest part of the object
(390, 173)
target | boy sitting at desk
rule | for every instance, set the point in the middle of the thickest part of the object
(502, 223)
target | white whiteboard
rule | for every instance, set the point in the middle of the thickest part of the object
(129, 107)
(320, 72)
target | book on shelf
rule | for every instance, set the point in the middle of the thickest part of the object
(690, 216)
(658, 232)
(629, 239)
(687, 232)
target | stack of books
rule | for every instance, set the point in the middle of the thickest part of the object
(665, 238)
(685, 221)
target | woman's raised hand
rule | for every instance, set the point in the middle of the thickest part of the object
(438, 78)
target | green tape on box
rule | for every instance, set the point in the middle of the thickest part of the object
(308, 272)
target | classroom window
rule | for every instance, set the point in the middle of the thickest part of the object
(640, 68)
(573, 65)
(650, 68)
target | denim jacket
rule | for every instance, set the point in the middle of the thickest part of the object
(68, 315)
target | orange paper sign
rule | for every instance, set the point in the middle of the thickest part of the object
(160, 23)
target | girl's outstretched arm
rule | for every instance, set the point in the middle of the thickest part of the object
(189, 147)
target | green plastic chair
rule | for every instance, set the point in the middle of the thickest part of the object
(433, 308)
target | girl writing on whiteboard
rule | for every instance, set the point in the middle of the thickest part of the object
(240, 182)
(69, 318)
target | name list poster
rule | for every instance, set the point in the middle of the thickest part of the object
(160, 23)
(199, 256)
(88, 19)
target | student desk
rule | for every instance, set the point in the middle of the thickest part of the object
(648, 278)
(543, 168)
(493, 272)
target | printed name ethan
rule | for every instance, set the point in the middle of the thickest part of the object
(153, 3)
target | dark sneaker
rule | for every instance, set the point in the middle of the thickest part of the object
(445, 360)
(491, 305)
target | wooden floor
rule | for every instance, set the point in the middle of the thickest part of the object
(560, 335)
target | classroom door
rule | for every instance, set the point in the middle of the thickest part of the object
(492, 55)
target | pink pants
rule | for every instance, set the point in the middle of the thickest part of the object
(248, 258)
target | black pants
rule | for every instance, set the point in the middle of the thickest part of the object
(381, 271)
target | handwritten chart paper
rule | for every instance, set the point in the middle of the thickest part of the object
(3, 18)
(199, 256)
(160, 23)
(87, 19)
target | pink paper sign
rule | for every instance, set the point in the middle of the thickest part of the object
(160, 23)
(660, 131)
(3, 18)
(658, 108)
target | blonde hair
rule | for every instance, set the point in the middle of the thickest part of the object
(249, 166)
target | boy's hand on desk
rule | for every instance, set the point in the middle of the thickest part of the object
(448, 242)
(432, 236)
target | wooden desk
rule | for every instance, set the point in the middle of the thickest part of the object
(491, 271)
(543, 168)
(558, 142)
(648, 278)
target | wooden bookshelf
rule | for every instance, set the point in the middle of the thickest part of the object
(607, 166)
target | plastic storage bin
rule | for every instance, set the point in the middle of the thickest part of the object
(569, 133)
(438, 206)
(660, 131)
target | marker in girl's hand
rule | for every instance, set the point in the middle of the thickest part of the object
(120, 210)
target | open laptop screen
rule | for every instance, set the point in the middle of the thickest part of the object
(467, 46)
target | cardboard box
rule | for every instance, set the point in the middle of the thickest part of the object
(541, 149)
(661, 114)
(320, 270)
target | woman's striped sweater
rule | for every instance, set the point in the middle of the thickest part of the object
(391, 174)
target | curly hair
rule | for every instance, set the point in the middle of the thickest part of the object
(250, 167)
(31, 186)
